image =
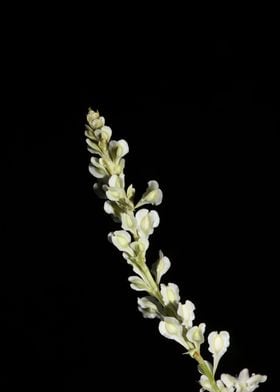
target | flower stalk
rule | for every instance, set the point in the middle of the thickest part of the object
(137, 225)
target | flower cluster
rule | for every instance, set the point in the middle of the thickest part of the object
(176, 319)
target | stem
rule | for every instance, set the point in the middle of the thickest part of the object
(206, 371)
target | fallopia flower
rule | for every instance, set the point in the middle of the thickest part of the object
(152, 195)
(149, 307)
(121, 239)
(218, 344)
(170, 293)
(196, 335)
(160, 267)
(163, 301)
(146, 222)
(118, 149)
(138, 284)
(115, 188)
(244, 383)
(186, 312)
(97, 168)
(170, 328)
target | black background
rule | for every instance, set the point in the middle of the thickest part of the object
(200, 114)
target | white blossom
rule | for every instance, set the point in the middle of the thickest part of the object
(146, 222)
(107, 165)
(140, 246)
(170, 293)
(186, 312)
(205, 383)
(138, 284)
(130, 192)
(103, 133)
(244, 383)
(196, 335)
(93, 147)
(129, 222)
(95, 120)
(97, 168)
(108, 207)
(121, 239)
(118, 149)
(115, 188)
(153, 195)
(160, 267)
(148, 307)
(218, 344)
(223, 388)
(170, 328)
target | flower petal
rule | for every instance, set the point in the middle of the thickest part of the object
(160, 267)
(121, 239)
(146, 221)
(118, 149)
(196, 335)
(148, 306)
(186, 312)
(129, 222)
(170, 328)
(152, 195)
(137, 283)
(218, 344)
(170, 293)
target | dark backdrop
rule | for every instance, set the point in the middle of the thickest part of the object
(200, 115)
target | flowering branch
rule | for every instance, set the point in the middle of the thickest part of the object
(163, 301)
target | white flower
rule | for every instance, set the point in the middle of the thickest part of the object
(94, 119)
(129, 222)
(93, 147)
(152, 195)
(97, 168)
(138, 284)
(196, 335)
(218, 344)
(205, 383)
(103, 133)
(172, 329)
(121, 239)
(244, 383)
(115, 188)
(130, 192)
(223, 388)
(108, 208)
(143, 222)
(148, 307)
(186, 312)
(170, 293)
(118, 149)
(146, 222)
(92, 115)
(140, 246)
(160, 267)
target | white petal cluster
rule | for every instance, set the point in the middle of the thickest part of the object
(196, 335)
(160, 267)
(170, 293)
(171, 328)
(153, 195)
(218, 344)
(186, 312)
(228, 383)
(149, 307)
(163, 300)
(243, 383)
